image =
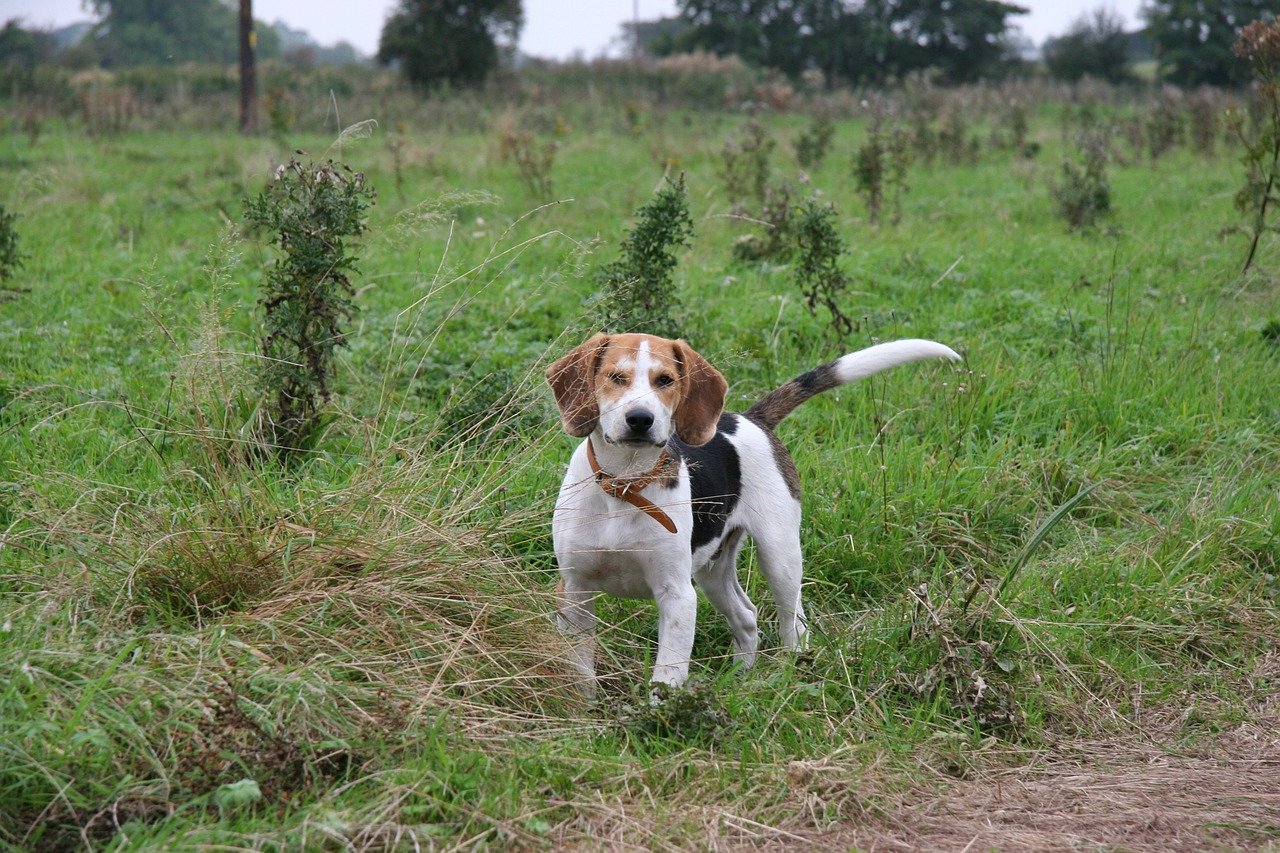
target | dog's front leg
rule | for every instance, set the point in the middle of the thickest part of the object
(677, 612)
(576, 616)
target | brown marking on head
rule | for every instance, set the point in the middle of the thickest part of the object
(600, 371)
(573, 381)
(702, 396)
(617, 371)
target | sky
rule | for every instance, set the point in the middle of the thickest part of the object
(553, 28)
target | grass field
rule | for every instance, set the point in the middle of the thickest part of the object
(1057, 562)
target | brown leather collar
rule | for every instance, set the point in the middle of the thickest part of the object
(628, 488)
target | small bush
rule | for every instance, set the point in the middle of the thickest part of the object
(639, 293)
(1165, 127)
(1259, 44)
(813, 144)
(10, 257)
(312, 211)
(745, 163)
(1205, 114)
(534, 162)
(880, 168)
(1084, 194)
(777, 215)
(817, 270)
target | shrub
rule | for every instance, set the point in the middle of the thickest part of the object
(777, 215)
(1165, 124)
(1259, 44)
(1084, 194)
(817, 271)
(312, 211)
(639, 293)
(814, 142)
(745, 163)
(10, 257)
(880, 168)
(534, 162)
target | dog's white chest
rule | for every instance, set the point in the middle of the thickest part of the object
(613, 547)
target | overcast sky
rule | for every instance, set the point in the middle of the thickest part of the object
(553, 28)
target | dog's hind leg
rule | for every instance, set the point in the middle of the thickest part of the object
(782, 563)
(719, 581)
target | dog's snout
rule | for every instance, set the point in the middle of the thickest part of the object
(639, 420)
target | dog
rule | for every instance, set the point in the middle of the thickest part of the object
(666, 485)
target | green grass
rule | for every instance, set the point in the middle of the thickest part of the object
(367, 636)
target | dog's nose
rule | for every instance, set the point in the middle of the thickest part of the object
(639, 420)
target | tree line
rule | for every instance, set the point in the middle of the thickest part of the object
(436, 42)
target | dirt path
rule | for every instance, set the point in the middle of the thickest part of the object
(1119, 794)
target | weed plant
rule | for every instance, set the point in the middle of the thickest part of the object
(776, 242)
(817, 272)
(639, 292)
(534, 162)
(745, 163)
(1259, 44)
(1165, 124)
(1083, 195)
(312, 213)
(880, 168)
(10, 256)
(815, 141)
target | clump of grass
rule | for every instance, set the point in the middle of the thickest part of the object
(312, 211)
(639, 292)
(1083, 196)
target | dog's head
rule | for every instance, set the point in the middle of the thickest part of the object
(639, 390)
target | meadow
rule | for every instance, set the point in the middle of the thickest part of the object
(1053, 571)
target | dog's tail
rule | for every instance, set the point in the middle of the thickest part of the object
(777, 404)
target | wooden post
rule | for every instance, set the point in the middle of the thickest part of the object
(248, 80)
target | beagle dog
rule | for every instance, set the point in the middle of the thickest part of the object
(666, 485)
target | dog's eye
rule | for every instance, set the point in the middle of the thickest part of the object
(618, 378)
(664, 380)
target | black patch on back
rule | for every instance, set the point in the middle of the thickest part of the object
(715, 480)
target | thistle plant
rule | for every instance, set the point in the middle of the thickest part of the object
(1259, 44)
(10, 257)
(1083, 196)
(814, 142)
(639, 293)
(312, 211)
(817, 269)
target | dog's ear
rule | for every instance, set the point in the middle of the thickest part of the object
(572, 379)
(702, 398)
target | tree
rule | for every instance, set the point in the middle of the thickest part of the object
(443, 41)
(964, 39)
(248, 77)
(1193, 38)
(1096, 45)
(860, 42)
(23, 48)
(161, 32)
